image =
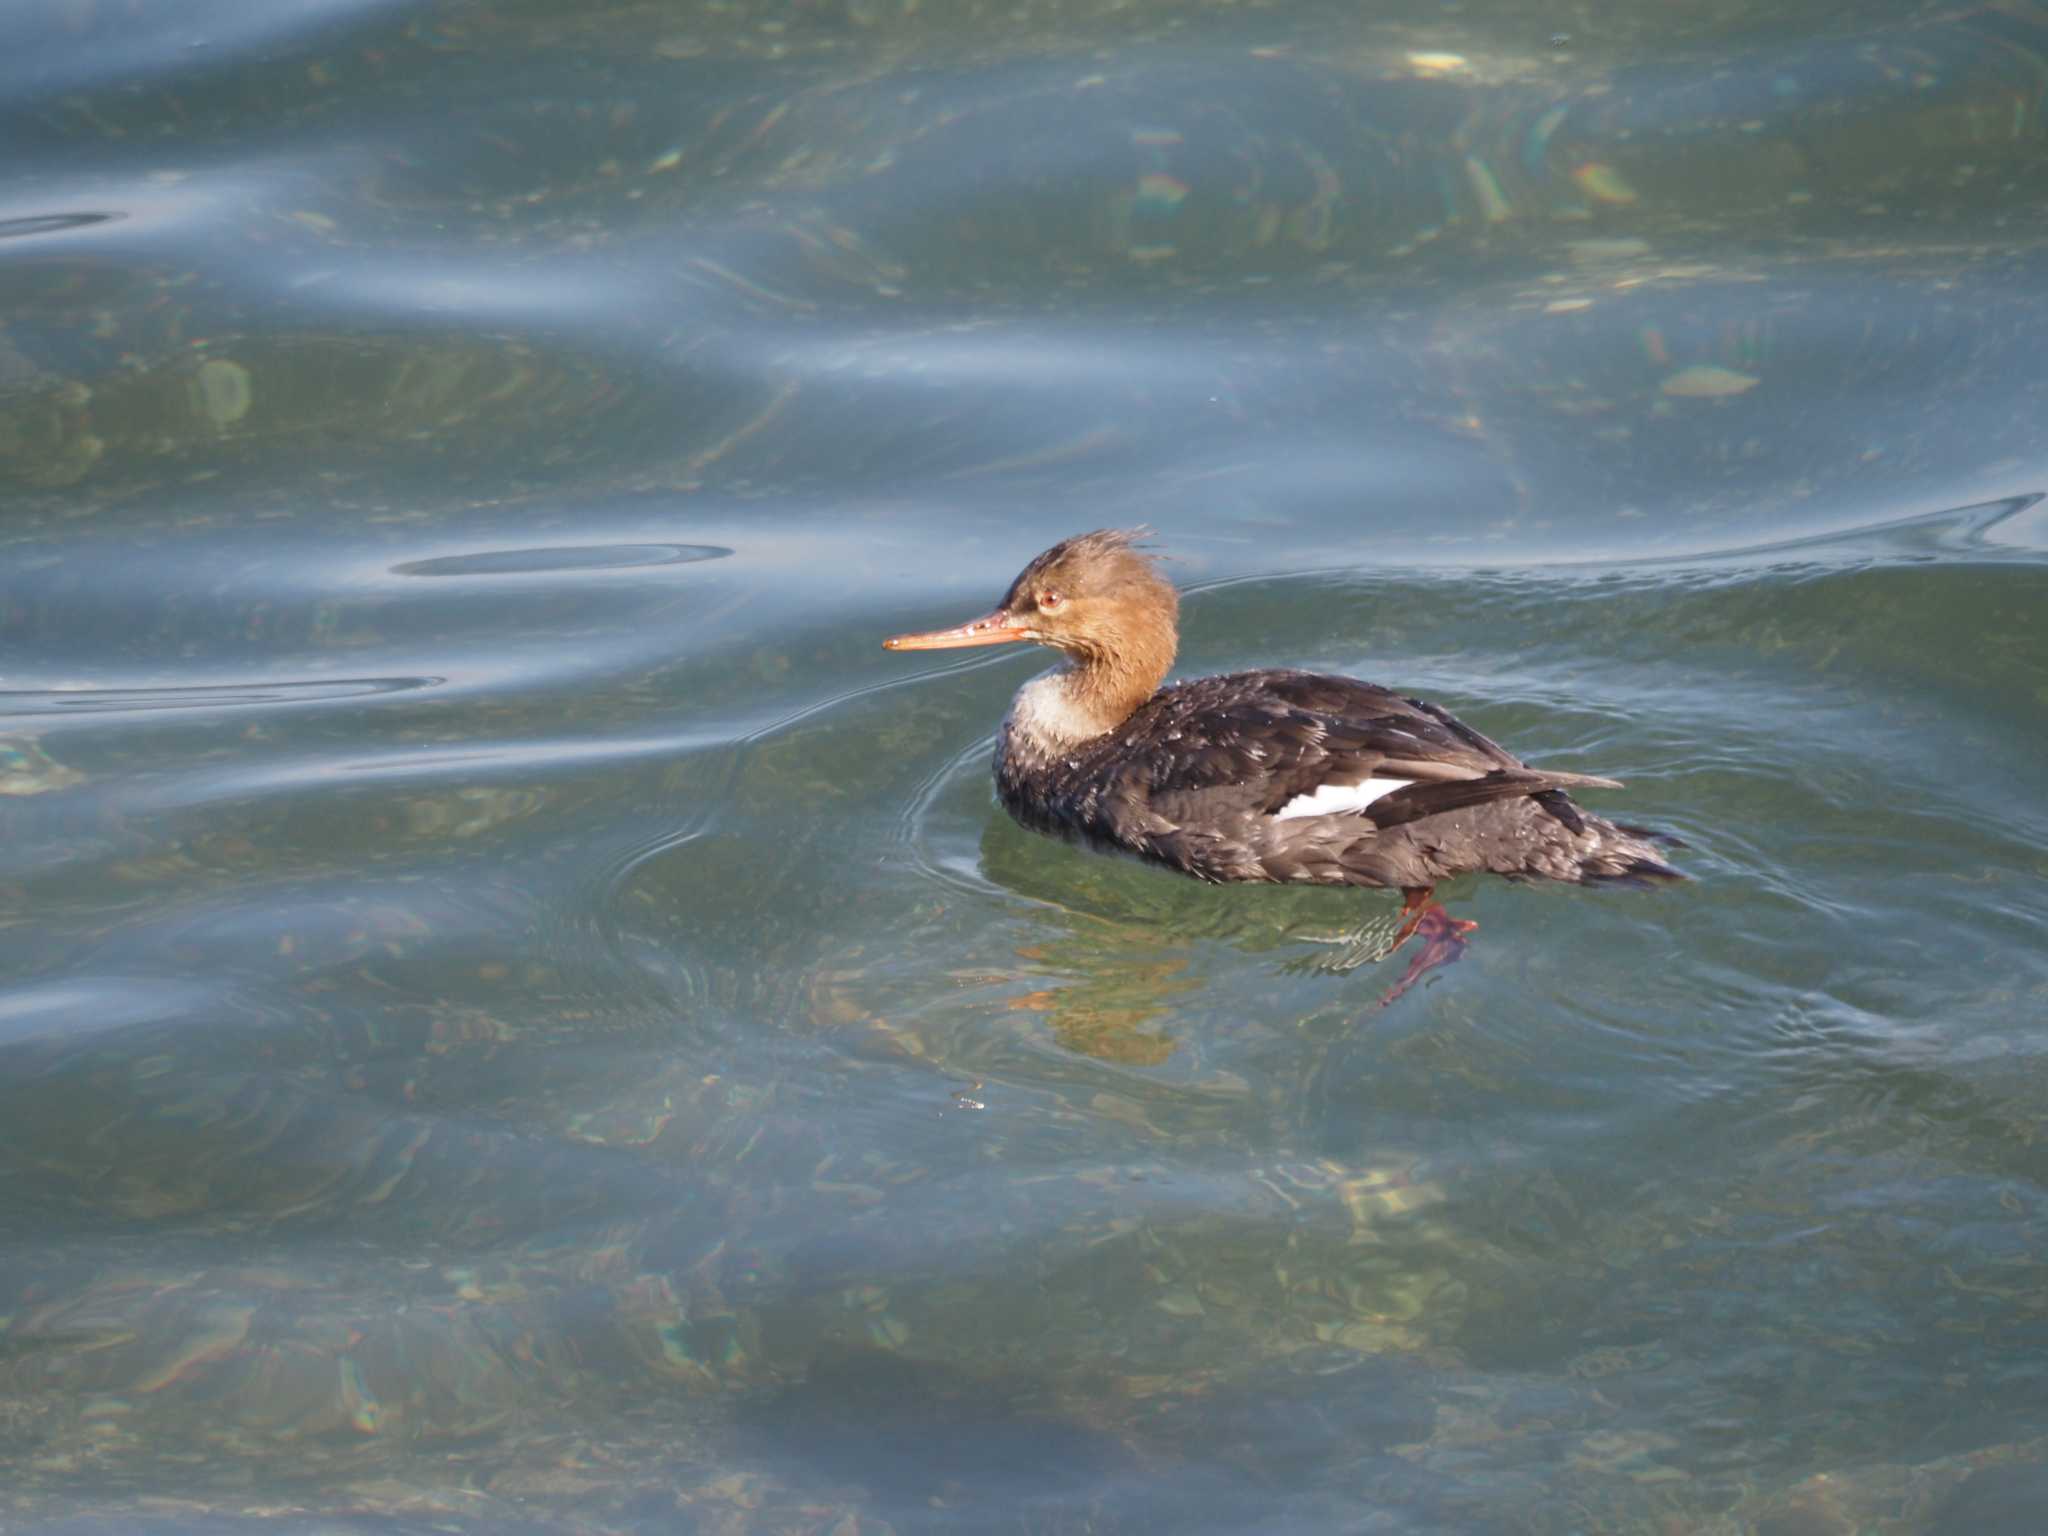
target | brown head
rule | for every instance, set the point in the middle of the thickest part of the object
(1097, 599)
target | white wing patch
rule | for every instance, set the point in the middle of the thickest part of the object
(1333, 798)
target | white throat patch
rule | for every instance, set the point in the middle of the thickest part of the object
(1045, 715)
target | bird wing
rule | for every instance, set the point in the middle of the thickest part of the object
(1285, 744)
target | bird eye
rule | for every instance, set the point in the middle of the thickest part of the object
(1050, 601)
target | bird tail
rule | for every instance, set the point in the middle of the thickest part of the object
(1629, 855)
(1641, 874)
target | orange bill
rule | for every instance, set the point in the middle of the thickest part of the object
(997, 628)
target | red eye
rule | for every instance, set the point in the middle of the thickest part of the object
(1050, 602)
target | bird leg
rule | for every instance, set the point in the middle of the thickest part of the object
(1442, 935)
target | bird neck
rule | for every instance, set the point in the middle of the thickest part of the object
(1091, 695)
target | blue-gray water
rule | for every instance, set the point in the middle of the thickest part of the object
(517, 1015)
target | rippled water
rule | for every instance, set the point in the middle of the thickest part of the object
(515, 1014)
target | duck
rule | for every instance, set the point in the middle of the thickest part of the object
(1270, 776)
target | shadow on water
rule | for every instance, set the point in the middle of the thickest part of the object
(945, 1451)
(927, 1435)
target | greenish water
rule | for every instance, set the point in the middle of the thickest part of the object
(516, 1014)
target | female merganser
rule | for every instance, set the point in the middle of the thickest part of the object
(1271, 775)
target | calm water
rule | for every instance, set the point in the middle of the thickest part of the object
(517, 1015)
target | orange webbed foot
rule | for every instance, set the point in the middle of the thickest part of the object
(1442, 935)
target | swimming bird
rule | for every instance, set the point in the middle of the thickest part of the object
(1267, 776)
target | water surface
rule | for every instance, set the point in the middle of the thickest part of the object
(516, 1014)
